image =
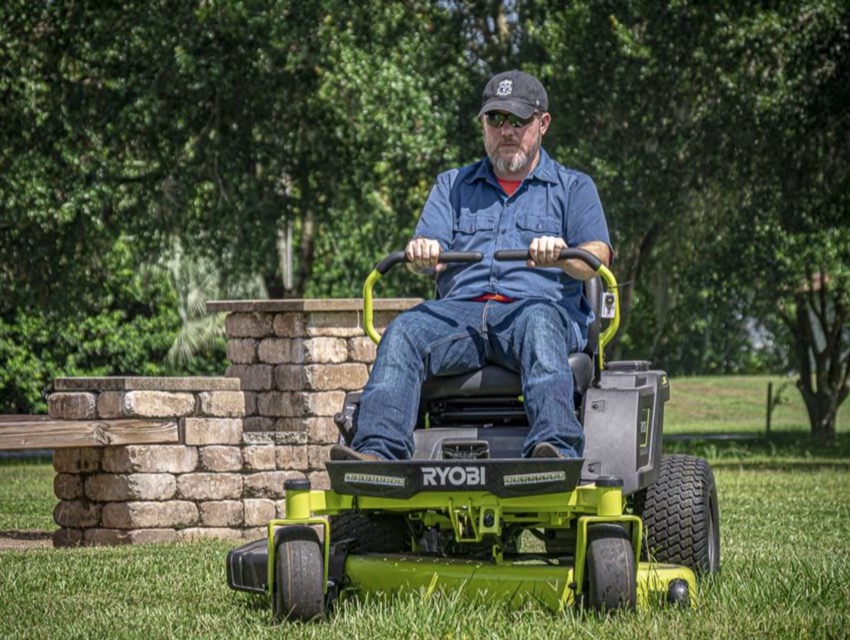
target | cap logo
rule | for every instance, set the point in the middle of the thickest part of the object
(505, 88)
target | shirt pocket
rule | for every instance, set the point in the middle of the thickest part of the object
(474, 232)
(475, 222)
(531, 225)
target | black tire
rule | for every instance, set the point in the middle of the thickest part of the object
(611, 571)
(681, 516)
(299, 575)
(384, 533)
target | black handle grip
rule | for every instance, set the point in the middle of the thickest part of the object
(397, 257)
(460, 256)
(566, 254)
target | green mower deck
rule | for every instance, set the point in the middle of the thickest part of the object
(544, 495)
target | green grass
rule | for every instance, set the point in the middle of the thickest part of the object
(786, 573)
(26, 495)
(785, 528)
(736, 404)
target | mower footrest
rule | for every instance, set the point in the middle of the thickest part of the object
(247, 567)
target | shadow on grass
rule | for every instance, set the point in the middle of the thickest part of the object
(31, 536)
(26, 457)
(778, 450)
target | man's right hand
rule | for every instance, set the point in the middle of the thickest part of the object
(422, 253)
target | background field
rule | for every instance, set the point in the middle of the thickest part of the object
(785, 527)
(714, 404)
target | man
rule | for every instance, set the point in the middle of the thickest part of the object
(526, 317)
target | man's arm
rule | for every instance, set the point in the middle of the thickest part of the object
(546, 249)
(585, 228)
(434, 229)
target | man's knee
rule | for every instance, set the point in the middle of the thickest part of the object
(544, 321)
(545, 331)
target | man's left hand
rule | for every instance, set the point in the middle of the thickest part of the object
(545, 250)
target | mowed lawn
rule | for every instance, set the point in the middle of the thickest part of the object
(737, 404)
(785, 527)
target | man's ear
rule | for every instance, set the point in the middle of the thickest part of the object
(545, 119)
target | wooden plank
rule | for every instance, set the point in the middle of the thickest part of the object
(56, 434)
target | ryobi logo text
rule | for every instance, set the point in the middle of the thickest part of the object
(455, 476)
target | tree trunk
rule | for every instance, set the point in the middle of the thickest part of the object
(306, 254)
(819, 335)
(303, 265)
(822, 409)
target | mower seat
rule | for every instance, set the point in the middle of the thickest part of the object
(494, 381)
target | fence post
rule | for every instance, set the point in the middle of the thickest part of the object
(769, 405)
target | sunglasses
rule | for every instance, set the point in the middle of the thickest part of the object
(496, 120)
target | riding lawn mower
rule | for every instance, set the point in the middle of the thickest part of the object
(621, 527)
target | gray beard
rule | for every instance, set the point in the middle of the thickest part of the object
(519, 162)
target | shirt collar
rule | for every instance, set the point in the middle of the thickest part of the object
(545, 170)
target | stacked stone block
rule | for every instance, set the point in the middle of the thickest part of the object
(151, 492)
(296, 359)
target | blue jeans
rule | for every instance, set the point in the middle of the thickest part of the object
(450, 337)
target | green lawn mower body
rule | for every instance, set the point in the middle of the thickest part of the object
(622, 527)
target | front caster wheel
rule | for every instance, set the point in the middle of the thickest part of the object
(299, 575)
(611, 571)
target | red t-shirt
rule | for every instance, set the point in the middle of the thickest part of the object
(509, 185)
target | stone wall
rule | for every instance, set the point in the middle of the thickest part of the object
(239, 437)
(152, 492)
(296, 359)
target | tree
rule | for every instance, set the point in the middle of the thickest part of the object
(788, 74)
(714, 132)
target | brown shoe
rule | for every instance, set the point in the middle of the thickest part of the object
(341, 453)
(545, 450)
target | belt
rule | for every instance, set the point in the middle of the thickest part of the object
(498, 297)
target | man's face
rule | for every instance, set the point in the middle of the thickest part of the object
(514, 149)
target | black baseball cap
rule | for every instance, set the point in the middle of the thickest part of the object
(515, 92)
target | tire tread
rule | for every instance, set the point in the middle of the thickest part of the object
(676, 510)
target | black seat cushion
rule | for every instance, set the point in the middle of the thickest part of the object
(493, 380)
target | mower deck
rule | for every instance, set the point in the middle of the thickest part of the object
(515, 582)
(474, 500)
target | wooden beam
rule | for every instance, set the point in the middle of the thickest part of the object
(56, 434)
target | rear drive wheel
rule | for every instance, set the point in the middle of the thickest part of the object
(681, 516)
(611, 570)
(299, 575)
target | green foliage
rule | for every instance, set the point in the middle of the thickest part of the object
(715, 132)
(716, 135)
(125, 330)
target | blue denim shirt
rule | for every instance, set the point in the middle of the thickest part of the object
(468, 211)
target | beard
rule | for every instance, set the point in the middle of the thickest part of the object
(521, 159)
